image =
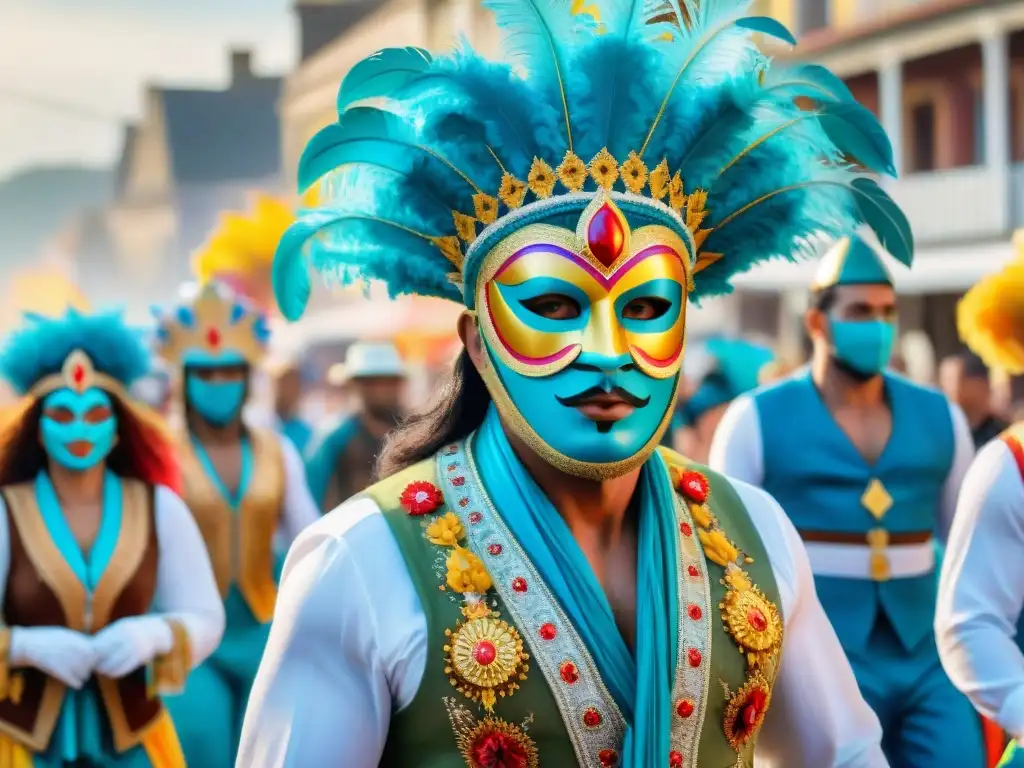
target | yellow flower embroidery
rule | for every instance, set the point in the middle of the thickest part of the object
(676, 195)
(466, 574)
(485, 207)
(512, 191)
(659, 180)
(634, 173)
(445, 531)
(465, 226)
(717, 548)
(603, 169)
(541, 179)
(572, 172)
(701, 515)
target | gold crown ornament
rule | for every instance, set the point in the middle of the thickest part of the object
(215, 328)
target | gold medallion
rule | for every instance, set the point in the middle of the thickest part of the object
(752, 619)
(485, 659)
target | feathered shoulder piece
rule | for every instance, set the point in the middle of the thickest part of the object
(76, 349)
(665, 107)
(990, 316)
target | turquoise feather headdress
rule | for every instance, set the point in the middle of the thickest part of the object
(41, 348)
(433, 161)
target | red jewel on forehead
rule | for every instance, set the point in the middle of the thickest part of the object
(78, 374)
(213, 337)
(606, 235)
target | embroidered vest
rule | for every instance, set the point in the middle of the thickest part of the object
(42, 590)
(240, 542)
(509, 675)
(825, 485)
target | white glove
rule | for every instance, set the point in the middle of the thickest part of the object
(62, 653)
(131, 643)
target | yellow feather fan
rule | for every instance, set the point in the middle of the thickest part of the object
(990, 317)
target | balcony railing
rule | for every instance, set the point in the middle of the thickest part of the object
(955, 205)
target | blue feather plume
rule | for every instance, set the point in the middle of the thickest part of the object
(41, 345)
(381, 74)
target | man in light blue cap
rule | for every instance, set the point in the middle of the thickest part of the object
(341, 461)
(868, 467)
(733, 367)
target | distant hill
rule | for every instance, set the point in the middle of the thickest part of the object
(37, 203)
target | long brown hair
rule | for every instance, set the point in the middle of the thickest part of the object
(143, 450)
(457, 410)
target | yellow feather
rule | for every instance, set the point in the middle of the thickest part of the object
(990, 316)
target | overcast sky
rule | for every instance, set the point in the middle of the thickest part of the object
(96, 55)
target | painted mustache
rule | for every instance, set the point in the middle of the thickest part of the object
(596, 394)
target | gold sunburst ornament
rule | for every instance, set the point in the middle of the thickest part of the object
(491, 742)
(485, 659)
(752, 620)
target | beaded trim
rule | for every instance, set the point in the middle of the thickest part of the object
(595, 725)
(690, 691)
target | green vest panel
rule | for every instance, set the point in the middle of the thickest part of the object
(506, 672)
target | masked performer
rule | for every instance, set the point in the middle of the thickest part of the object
(108, 594)
(246, 487)
(979, 623)
(539, 583)
(867, 465)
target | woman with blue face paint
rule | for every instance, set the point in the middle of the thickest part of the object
(246, 488)
(108, 594)
(868, 466)
(534, 581)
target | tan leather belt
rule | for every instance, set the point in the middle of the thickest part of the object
(893, 539)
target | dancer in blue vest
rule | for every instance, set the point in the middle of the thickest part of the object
(867, 465)
(732, 367)
(341, 461)
(979, 622)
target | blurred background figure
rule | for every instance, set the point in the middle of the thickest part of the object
(965, 380)
(725, 369)
(288, 391)
(342, 461)
(154, 389)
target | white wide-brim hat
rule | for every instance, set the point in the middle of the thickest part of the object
(365, 360)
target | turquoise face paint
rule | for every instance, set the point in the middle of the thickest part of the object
(72, 433)
(219, 402)
(863, 345)
(548, 403)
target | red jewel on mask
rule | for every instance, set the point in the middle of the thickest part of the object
(606, 237)
(213, 337)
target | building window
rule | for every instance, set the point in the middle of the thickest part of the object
(922, 124)
(813, 15)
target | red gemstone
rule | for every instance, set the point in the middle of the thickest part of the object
(78, 373)
(693, 656)
(684, 708)
(484, 653)
(695, 612)
(494, 549)
(675, 759)
(606, 236)
(686, 529)
(608, 757)
(569, 672)
(591, 718)
(694, 486)
(475, 517)
(213, 337)
(757, 620)
(547, 631)
(519, 584)
(692, 570)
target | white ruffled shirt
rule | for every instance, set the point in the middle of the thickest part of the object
(348, 648)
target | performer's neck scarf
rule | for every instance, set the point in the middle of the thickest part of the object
(641, 683)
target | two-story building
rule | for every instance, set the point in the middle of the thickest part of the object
(946, 78)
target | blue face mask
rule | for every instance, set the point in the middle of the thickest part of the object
(74, 430)
(546, 402)
(863, 345)
(219, 402)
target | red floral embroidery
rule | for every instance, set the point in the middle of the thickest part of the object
(519, 584)
(458, 481)
(693, 657)
(692, 570)
(591, 718)
(569, 672)
(547, 631)
(608, 757)
(494, 549)
(496, 750)
(684, 708)
(475, 517)
(421, 498)
(694, 612)
(693, 485)
(675, 759)
(686, 529)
